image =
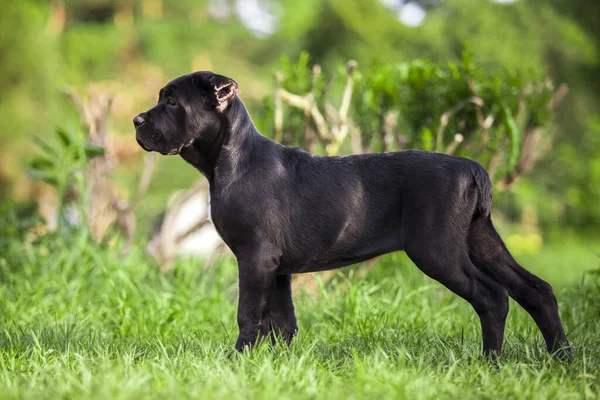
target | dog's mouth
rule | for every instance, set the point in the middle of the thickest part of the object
(143, 146)
(152, 140)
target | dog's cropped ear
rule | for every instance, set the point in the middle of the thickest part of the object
(225, 90)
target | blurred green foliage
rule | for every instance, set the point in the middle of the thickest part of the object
(62, 164)
(425, 105)
(137, 45)
(57, 164)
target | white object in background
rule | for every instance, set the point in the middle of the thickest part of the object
(205, 240)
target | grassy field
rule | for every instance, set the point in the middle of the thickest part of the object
(80, 321)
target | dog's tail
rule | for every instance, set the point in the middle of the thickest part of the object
(484, 191)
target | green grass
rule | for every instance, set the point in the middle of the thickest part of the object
(79, 321)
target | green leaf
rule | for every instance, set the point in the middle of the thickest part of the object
(44, 176)
(427, 139)
(92, 150)
(514, 136)
(65, 137)
(40, 162)
(44, 146)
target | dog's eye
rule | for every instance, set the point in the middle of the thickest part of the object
(171, 102)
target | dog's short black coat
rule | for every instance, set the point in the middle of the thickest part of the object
(283, 210)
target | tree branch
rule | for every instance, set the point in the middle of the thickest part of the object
(445, 119)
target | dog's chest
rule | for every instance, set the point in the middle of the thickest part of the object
(215, 217)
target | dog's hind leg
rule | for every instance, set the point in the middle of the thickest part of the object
(448, 263)
(490, 255)
(280, 309)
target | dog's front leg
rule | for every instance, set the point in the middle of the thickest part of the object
(280, 309)
(256, 274)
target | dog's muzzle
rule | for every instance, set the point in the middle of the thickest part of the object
(147, 137)
(142, 145)
(150, 139)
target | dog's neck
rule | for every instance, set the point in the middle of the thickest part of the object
(226, 145)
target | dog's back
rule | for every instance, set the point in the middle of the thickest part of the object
(342, 210)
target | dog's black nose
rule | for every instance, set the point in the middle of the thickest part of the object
(137, 121)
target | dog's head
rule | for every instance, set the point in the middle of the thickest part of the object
(189, 107)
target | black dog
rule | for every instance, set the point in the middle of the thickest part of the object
(282, 210)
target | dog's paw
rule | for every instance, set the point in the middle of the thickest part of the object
(563, 354)
(233, 355)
